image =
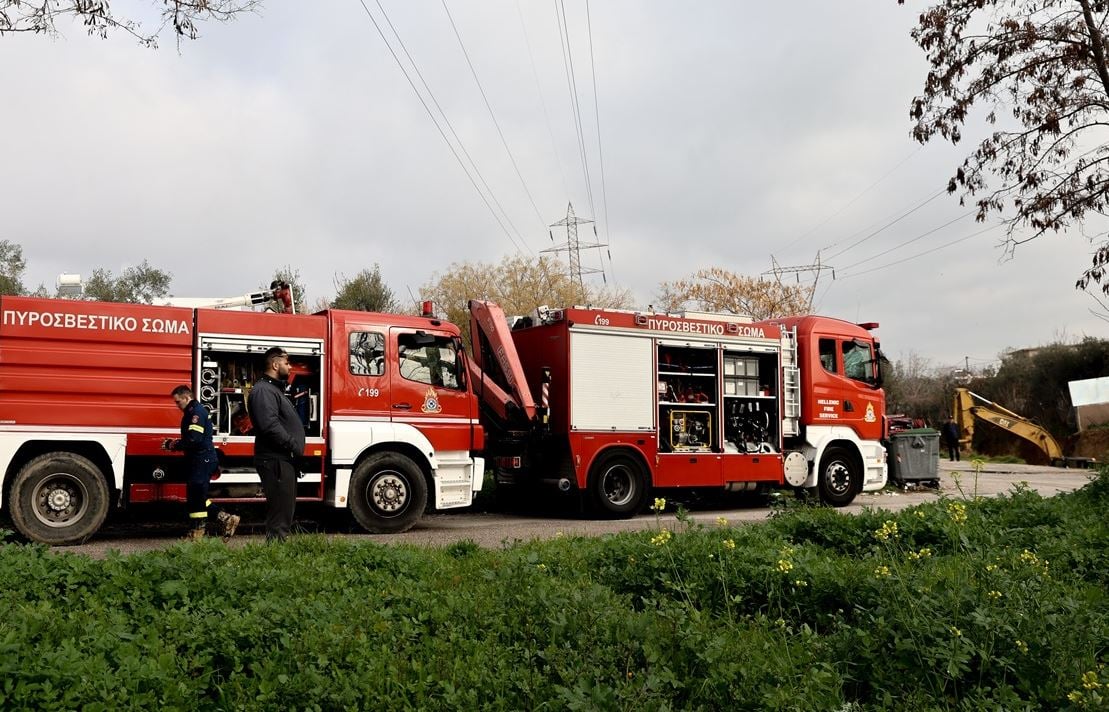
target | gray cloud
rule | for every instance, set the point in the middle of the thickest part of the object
(731, 131)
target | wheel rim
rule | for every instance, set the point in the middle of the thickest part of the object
(618, 485)
(388, 493)
(838, 477)
(59, 500)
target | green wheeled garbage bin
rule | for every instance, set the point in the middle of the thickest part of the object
(914, 457)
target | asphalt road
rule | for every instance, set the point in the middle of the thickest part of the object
(489, 529)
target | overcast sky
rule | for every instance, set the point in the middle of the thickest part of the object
(731, 132)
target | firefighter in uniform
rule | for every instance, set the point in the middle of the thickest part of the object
(201, 462)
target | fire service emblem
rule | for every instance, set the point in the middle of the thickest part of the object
(431, 402)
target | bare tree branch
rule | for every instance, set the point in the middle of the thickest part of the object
(1043, 62)
(186, 17)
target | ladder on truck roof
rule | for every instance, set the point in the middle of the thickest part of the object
(791, 384)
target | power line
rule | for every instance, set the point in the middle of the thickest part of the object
(926, 252)
(454, 133)
(542, 101)
(600, 144)
(925, 234)
(492, 116)
(851, 202)
(572, 87)
(890, 224)
(439, 127)
(909, 242)
(871, 225)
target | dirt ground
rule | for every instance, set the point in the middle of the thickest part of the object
(1092, 443)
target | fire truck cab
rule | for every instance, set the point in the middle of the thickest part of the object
(389, 416)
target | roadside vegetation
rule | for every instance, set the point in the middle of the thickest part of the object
(964, 603)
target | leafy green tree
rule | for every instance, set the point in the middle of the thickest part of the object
(366, 291)
(184, 16)
(140, 285)
(12, 266)
(1037, 70)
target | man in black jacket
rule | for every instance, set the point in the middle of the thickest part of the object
(278, 440)
(950, 434)
(201, 460)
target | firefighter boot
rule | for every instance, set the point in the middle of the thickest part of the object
(195, 534)
(228, 523)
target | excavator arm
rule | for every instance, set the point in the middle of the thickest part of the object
(969, 406)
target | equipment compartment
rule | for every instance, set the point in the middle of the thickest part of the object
(687, 393)
(751, 423)
(226, 376)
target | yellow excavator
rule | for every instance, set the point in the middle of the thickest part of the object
(969, 406)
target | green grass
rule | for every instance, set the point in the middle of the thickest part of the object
(959, 604)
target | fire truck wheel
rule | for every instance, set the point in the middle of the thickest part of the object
(388, 493)
(59, 499)
(618, 485)
(840, 479)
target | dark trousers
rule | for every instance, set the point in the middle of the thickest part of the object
(200, 469)
(953, 452)
(279, 483)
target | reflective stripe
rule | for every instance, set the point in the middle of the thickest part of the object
(432, 420)
(197, 428)
(198, 515)
(208, 503)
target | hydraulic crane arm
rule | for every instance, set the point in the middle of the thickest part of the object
(492, 341)
(969, 406)
(493, 395)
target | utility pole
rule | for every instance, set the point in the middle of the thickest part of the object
(816, 268)
(573, 247)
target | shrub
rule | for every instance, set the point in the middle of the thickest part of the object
(968, 603)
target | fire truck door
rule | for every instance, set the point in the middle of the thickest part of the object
(843, 390)
(361, 381)
(429, 387)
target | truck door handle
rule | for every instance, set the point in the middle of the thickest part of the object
(403, 406)
(848, 407)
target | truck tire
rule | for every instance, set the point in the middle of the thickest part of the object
(618, 485)
(59, 499)
(388, 493)
(840, 478)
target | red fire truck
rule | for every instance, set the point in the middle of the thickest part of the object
(606, 403)
(615, 403)
(84, 406)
